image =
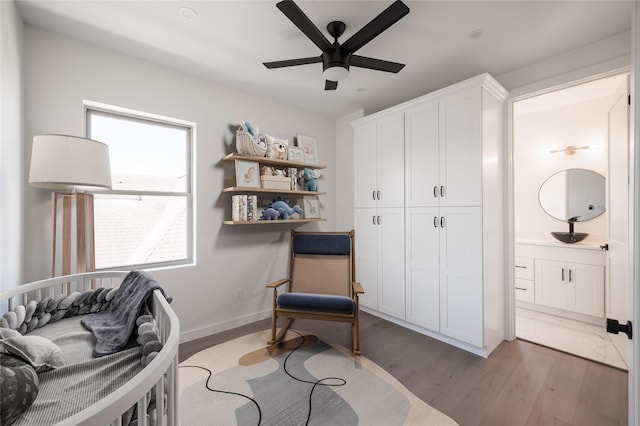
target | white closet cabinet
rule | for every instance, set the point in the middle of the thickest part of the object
(379, 212)
(453, 219)
(379, 162)
(380, 259)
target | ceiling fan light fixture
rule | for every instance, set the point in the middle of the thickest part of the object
(335, 73)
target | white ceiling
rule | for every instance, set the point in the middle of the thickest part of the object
(228, 41)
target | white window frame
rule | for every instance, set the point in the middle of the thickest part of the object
(101, 108)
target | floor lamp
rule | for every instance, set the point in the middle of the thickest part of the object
(71, 166)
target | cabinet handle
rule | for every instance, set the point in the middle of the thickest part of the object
(373, 195)
(379, 220)
(520, 266)
(435, 191)
(378, 195)
(373, 219)
(442, 222)
(569, 275)
(521, 288)
(435, 221)
(442, 191)
(562, 274)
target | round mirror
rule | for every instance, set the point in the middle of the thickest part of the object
(573, 192)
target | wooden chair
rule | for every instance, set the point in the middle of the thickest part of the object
(322, 283)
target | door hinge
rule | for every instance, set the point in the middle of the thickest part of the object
(614, 327)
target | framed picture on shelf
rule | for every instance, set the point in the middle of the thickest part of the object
(296, 154)
(247, 174)
(308, 145)
(311, 207)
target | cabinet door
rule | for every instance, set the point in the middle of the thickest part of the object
(391, 288)
(551, 280)
(367, 255)
(365, 167)
(461, 274)
(423, 266)
(391, 160)
(461, 148)
(586, 289)
(422, 187)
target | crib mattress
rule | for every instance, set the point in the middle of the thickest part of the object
(83, 380)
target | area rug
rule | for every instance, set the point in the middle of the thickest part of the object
(302, 380)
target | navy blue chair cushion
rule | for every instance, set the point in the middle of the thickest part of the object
(316, 302)
(332, 244)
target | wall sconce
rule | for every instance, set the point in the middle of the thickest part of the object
(570, 150)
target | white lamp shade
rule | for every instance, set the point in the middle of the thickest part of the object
(69, 163)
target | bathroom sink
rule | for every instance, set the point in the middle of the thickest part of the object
(570, 237)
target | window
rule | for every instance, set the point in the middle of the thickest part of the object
(146, 219)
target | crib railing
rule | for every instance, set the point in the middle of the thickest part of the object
(108, 411)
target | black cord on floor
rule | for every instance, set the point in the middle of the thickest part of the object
(341, 382)
(227, 392)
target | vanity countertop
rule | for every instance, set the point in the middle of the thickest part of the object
(584, 245)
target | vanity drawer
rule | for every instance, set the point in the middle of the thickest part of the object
(524, 290)
(524, 268)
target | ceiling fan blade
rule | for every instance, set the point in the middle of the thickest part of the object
(375, 64)
(300, 20)
(330, 85)
(384, 20)
(293, 62)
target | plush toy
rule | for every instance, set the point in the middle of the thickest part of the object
(310, 178)
(283, 205)
(271, 214)
(277, 148)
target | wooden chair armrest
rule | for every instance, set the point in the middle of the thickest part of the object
(357, 287)
(278, 283)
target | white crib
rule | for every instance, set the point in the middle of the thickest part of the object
(108, 410)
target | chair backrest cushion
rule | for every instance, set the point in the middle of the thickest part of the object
(337, 244)
(322, 274)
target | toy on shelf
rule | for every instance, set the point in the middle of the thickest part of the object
(283, 207)
(310, 179)
(271, 214)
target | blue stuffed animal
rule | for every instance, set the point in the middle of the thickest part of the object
(310, 180)
(283, 206)
(271, 214)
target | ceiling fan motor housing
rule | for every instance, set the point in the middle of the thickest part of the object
(335, 57)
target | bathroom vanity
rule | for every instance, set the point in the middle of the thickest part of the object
(561, 279)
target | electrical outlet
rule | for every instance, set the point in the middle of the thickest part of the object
(239, 294)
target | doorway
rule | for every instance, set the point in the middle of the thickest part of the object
(561, 170)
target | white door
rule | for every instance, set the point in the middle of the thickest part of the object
(421, 155)
(619, 280)
(391, 161)
(461, 292)
(367, 255)
(365, 164)
(460, 170)
(423, 266)
(391, 290)
(550, 287)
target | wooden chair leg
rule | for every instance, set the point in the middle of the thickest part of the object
(356, 336)
(281, 333)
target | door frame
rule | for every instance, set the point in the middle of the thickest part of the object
(596, 72)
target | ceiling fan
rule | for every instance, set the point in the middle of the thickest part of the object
(336, 58)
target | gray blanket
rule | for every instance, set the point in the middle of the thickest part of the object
(112, 328)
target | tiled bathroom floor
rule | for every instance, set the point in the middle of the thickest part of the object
(574, 337)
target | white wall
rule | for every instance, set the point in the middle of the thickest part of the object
(11, 155)
(537, 133)
(61, 72)
(344, 171)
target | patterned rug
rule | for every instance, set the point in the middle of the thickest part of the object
(302, 380)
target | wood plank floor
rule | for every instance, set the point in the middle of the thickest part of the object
(520, 384)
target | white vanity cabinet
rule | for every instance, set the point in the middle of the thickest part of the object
(452, 286)
(574, 287)
(568, 279)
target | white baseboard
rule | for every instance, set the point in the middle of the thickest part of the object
(187, 336)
